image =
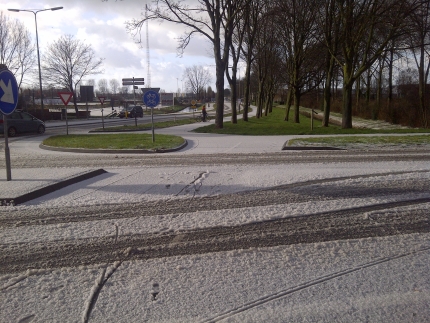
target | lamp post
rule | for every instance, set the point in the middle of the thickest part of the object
(177, 88)
(35, 11)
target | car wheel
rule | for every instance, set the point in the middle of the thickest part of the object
(12, 132)
(41, 129)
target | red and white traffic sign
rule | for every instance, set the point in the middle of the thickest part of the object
(65, 97)
(101, 99)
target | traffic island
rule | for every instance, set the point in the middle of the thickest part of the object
(114, 143)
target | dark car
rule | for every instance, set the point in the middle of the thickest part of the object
(21, 122)
(132, 112)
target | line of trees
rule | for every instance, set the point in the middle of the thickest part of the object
(308, 46)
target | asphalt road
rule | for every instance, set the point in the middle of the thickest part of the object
(349, 223)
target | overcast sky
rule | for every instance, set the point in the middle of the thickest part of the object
(102, 24)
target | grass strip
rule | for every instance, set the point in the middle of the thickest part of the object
(147, 126)
(115, 141)
(348, 141)
(274, 124)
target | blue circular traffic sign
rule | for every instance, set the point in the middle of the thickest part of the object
(8, 92)
(151, 99)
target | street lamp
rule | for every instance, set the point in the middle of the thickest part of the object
(35, 11)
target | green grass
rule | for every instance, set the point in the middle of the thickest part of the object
(164, 110)
(147, 126)
(342, 141)
(274, 124)
(115, 141)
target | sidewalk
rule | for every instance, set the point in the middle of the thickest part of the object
(336, 118)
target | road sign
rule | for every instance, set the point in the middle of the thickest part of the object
(193, 102)
(151, 99)
(65, 97)
(101, 99)
(8, 92)
(133, 81)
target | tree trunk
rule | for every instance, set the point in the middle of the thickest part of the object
(220, 68)
(233, 100)
(268, 100)
(422, 86)
(232, 82)
(297, 95)
(327, 90)
(75, 104)
(357, 94)
(247, 92)
(347, 106)
(390, 78)
(347, 95)
(288, 104)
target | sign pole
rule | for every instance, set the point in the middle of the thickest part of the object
(102, 101)
(6, 150)
(152, 121)
(151, 100)
(67, 124)
(65, 97)
(8, 101)
(134, 93)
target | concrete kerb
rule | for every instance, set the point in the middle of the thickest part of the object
(50, 188)
(114, 151)
(286, 147)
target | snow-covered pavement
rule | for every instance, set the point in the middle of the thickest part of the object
(373, 279)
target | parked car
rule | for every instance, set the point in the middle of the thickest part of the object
(132, 111)
(21, 122)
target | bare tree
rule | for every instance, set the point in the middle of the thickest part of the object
(114, 85)
(301, 46)
(102, 85)
(420, 42)
(196, 79)
(214, 19)
(366, 29)
(67, 61)
(90, 82)
(253, 19)
(17, 51)
(330, 34)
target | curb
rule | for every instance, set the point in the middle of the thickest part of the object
(118, 131)
(286, 147)
(114, 151)
(51, 188)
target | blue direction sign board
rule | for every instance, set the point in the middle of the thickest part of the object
(151, 99)
(8, 92)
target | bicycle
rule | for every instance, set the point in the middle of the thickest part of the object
(199, 118)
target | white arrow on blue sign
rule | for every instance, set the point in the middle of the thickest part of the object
(151, 99)
(8, 92)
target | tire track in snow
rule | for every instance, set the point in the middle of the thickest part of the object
(281, 194)
(328, 226)
(308, 284)
(21, 160)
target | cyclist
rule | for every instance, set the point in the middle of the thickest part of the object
(204, 114)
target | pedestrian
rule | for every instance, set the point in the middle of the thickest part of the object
(204, 113)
